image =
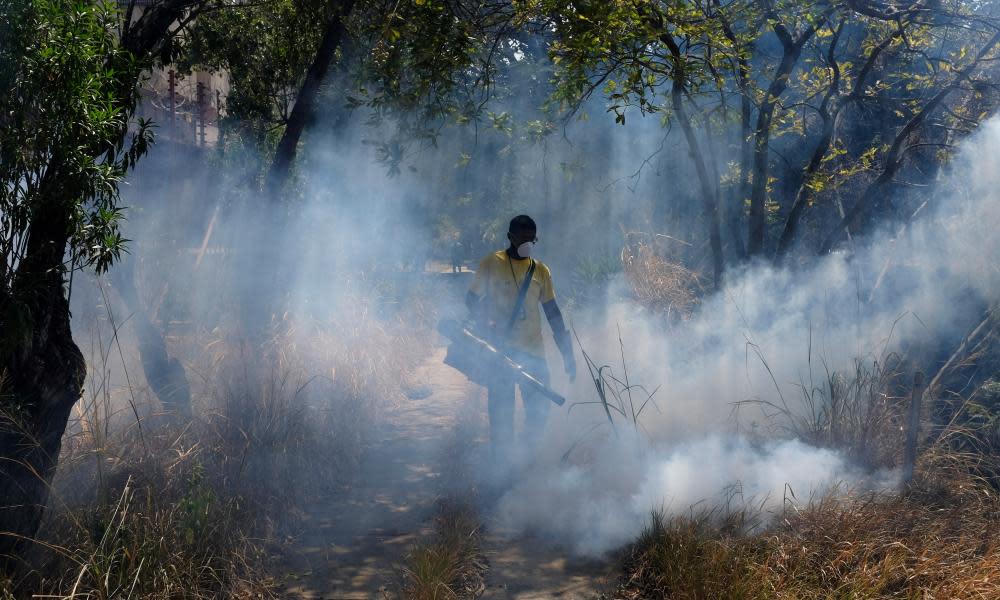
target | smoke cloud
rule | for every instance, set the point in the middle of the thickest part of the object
(600, 506)
(766, 334)
(769, 334)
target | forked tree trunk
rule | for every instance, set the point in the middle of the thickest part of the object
(733, 213)
(878, 189)
(791, 51)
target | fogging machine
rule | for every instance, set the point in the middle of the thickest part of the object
(478, 359)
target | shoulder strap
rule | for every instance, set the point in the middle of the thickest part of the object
(521, 294)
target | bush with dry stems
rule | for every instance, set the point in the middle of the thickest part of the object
(658, 283)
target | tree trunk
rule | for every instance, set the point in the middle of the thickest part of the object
(43, 379)
(43, 371)
(803, 194)
(741, 191)
(305, 102)
(30, 441)
(762, 145)
(709, 188)
(830, 117)
(737, 206)
(164, 373)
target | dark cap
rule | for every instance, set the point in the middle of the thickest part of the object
(522, 223)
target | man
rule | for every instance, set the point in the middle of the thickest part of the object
(456, 255)
(501, 280)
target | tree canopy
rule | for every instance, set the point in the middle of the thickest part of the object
(855, 88)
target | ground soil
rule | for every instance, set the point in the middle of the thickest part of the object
(354, 543)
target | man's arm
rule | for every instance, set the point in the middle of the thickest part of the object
(561, 335)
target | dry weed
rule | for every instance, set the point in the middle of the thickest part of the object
(661, 285)
(859, 412)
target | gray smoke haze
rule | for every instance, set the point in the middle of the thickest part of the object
(354, 220)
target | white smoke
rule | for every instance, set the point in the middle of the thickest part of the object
(769, 329)
(767, 335)
(603, 505)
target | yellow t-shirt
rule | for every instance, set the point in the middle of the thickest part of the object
(498, 281)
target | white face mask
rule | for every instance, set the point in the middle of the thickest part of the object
(525, 249)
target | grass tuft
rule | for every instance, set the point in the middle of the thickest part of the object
(450, 566)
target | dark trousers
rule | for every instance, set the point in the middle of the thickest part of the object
(501, 408)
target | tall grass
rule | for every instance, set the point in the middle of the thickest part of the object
(620, 399)
(176, 538)
(138, 508)
(936, 539)
(145, 506)
(859, 412)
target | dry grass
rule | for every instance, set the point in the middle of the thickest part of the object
(858, 412)
(135, 513)
(937, 540)
(298, 409)
(155, 543)
(146, 506)
(450, 566)
(450, 563)
(659, 284)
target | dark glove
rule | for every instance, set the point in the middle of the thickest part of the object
(569, 362)
(565, 344)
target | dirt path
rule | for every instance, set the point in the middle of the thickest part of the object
(526, 568)
(354, 543)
